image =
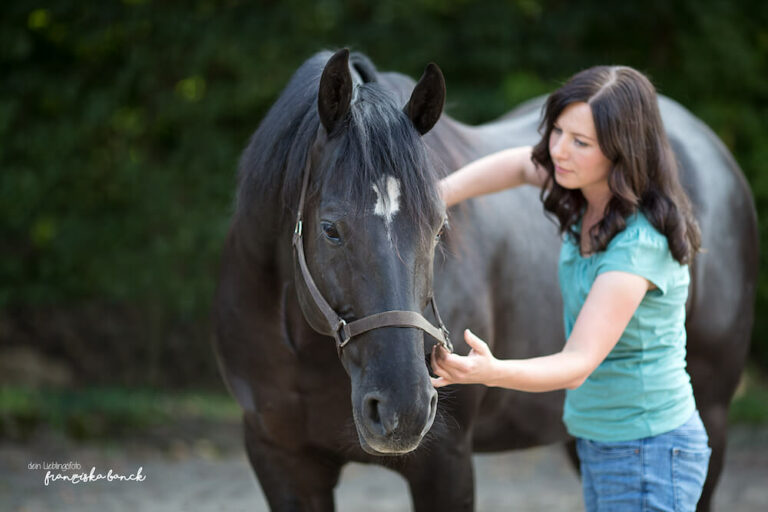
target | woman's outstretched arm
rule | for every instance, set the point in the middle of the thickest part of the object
(611, 302)
(498, 171)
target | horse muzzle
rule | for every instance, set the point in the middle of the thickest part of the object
(388, 426)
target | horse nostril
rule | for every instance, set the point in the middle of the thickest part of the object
(381, 420)
(372, 411)
(432, 410)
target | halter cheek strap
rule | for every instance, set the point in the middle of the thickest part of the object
(337, 327)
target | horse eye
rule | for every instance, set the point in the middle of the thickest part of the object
(440, 233)
(330, 231)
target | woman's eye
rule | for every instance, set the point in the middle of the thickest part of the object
(330, 231)
(580, 143)
(556, 129)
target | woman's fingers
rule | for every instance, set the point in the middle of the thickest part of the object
(444, 369)
(437, 367)
(439, 382)
(453, 363)
(475, 343)
(444, 366)
(442, 375)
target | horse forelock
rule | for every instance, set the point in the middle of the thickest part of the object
(377, 147)
(288, 129)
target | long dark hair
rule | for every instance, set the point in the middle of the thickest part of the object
(644, 174)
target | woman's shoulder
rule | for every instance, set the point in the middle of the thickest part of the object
(639, 230)
(641, 249)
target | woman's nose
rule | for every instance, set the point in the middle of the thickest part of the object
(558, 150)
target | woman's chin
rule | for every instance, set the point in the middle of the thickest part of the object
(564, 181)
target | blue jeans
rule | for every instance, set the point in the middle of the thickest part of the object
(663, 472)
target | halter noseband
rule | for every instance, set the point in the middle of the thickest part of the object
(342, 331)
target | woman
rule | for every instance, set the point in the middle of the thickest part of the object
(609, 177)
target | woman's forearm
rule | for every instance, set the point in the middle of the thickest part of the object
(563, 370)
(492, 173)
(566, 369)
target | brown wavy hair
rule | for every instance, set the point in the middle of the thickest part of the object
(644, 174)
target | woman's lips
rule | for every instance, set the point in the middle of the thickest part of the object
(560, 170)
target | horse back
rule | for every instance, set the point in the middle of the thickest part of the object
(724, 275)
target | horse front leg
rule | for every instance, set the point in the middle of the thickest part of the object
(442, 477)
(292, 481)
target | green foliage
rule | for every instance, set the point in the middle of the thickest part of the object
(121, 122)
(108, 413)
(105, 412)
(750, 405)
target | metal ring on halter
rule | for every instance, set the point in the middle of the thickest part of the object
(342, 333)
(447, 343)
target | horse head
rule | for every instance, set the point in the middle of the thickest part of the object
(371, 224)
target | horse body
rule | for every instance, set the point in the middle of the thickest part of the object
(497, 276)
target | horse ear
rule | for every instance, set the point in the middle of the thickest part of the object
(427, 99)
(335, 90)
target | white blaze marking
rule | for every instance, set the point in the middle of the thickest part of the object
(388, 202)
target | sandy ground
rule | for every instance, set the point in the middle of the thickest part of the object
(205, 469)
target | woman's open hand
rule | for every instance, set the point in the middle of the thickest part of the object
(477, 367)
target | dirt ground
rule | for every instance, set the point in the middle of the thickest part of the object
(204, 469)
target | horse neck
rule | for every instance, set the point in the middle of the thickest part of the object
(259, 238)
(455, 143)
(458, 143)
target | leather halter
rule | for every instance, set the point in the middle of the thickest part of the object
(342, 331)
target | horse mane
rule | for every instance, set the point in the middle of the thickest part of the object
(377, 139)
(290, 123)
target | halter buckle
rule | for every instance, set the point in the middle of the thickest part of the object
(446, 334)
(342, 333)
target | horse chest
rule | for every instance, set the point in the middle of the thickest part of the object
(292, 417)
(309, 403)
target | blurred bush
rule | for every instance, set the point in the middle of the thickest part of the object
(106, 412)
(121, 124)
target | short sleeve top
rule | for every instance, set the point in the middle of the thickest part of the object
(642, 387)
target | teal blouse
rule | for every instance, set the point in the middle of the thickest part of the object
(642, 388)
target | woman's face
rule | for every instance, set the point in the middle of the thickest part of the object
(579, 161)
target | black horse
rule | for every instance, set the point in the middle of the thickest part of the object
(375, 233)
